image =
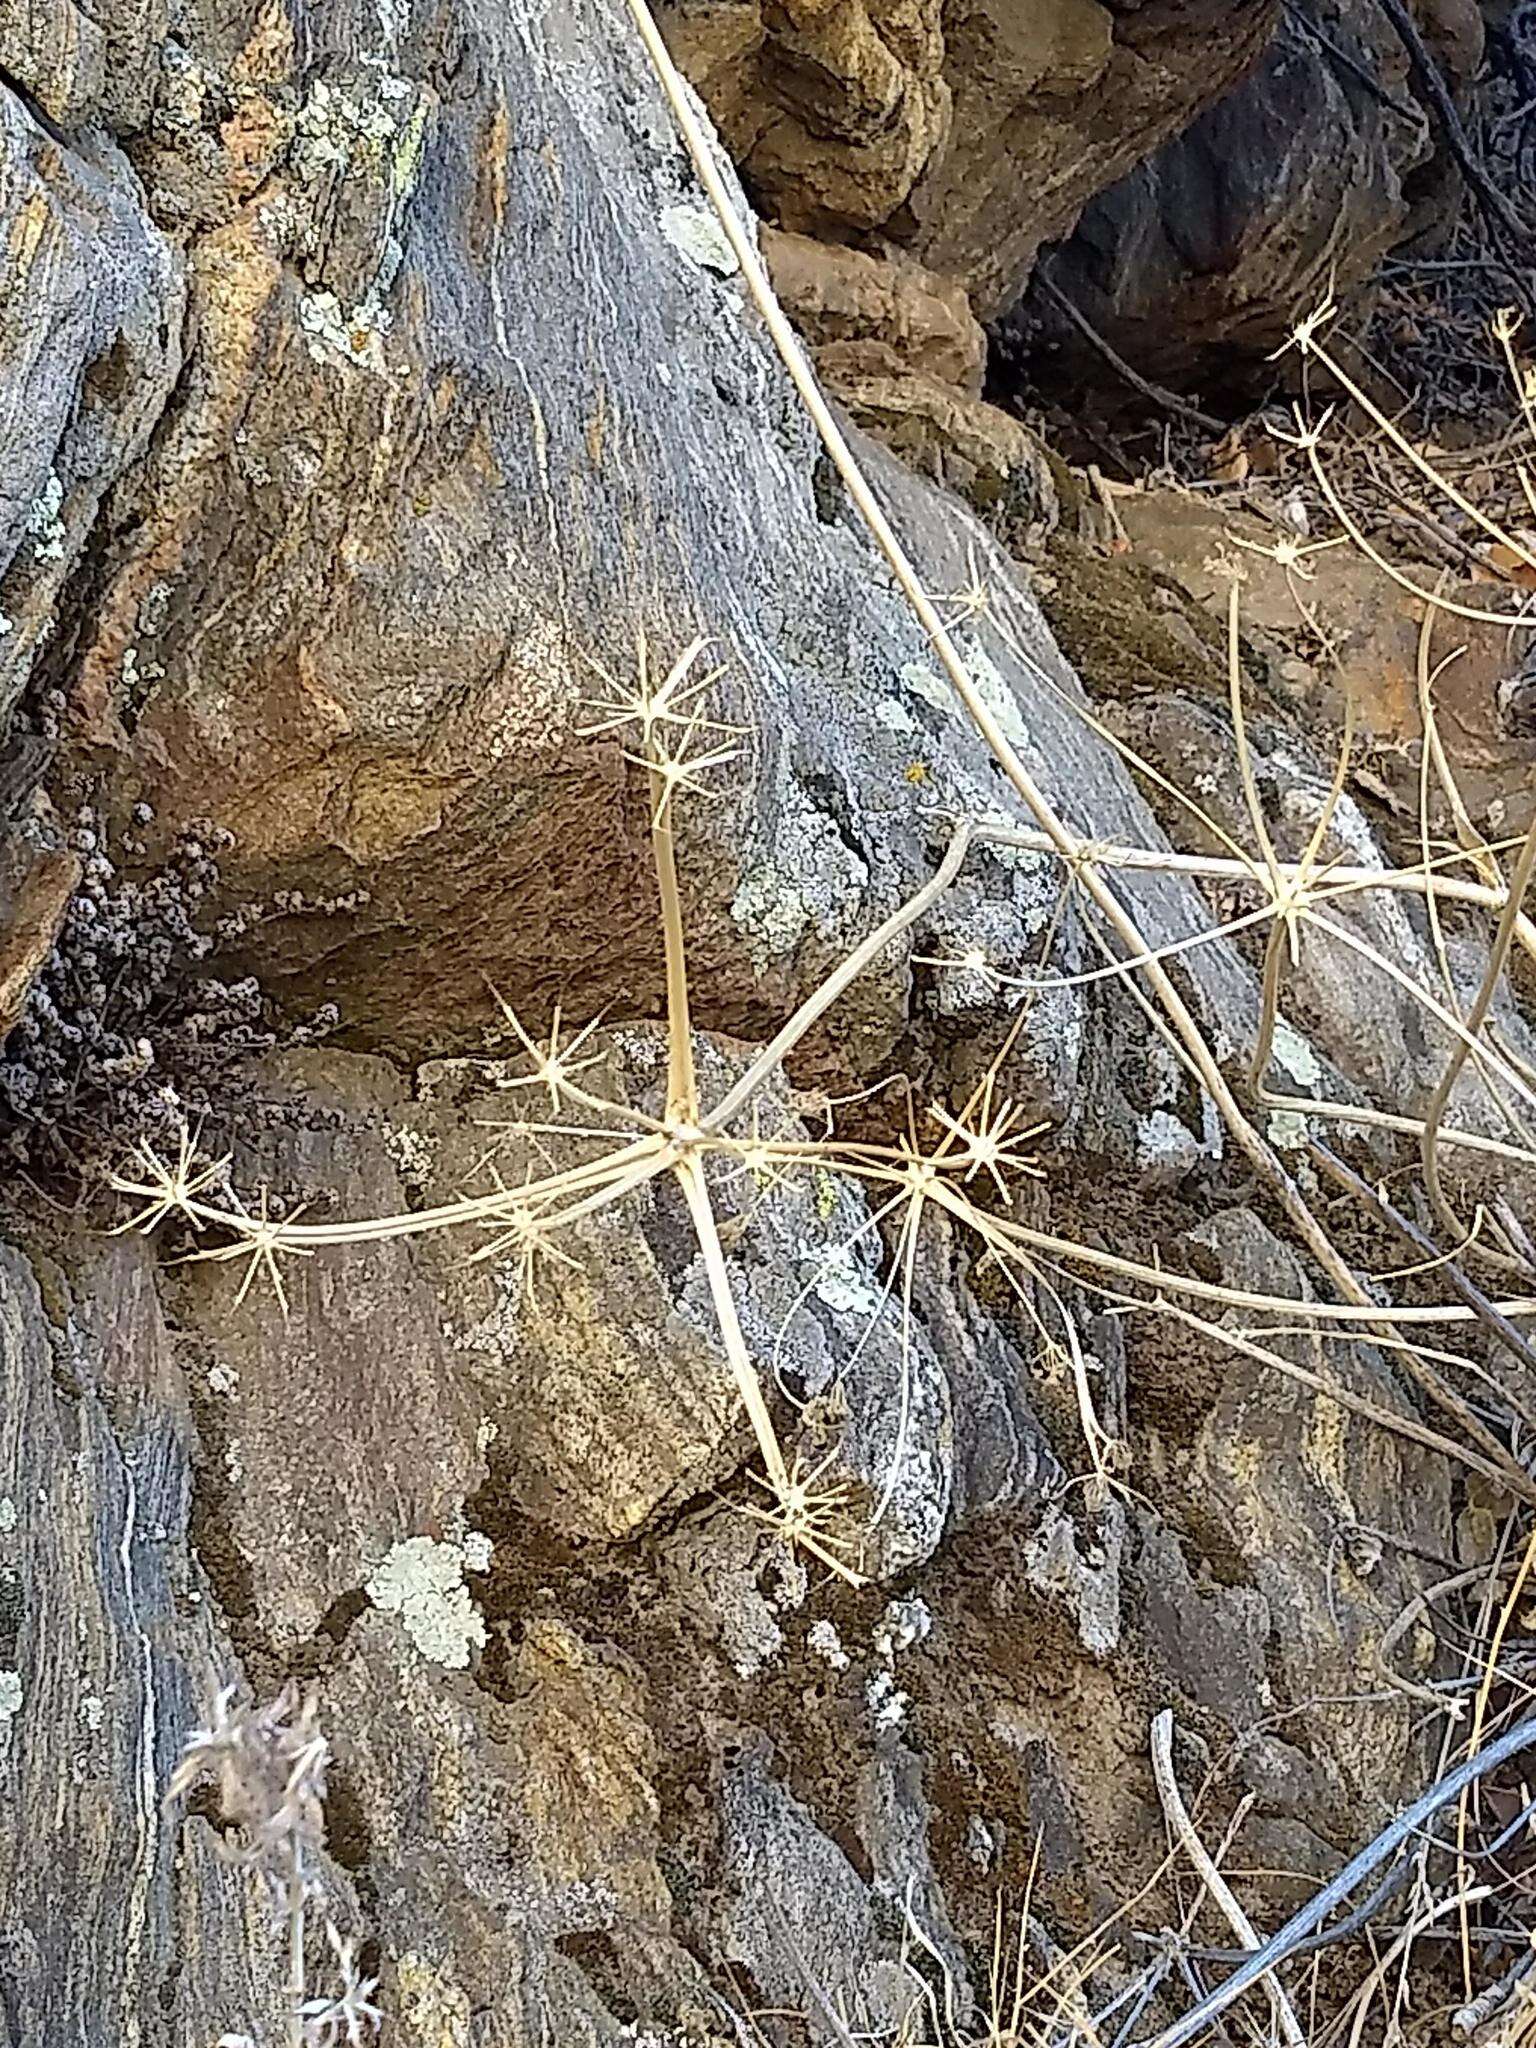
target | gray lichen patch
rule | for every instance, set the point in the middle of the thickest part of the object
(422, 1581)
(10, 1704)
(807, 880)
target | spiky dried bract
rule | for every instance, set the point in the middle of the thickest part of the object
(169, 1188)
(555, 1067)
(347, 2014)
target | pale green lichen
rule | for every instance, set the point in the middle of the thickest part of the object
(44, 526)
(810, 881)
(696, 233)
(1296, 1056)
(1287, 1130)
(356, 335)
(422, 1581)
(10, 1704)
(844, 1285)
(823, 1640)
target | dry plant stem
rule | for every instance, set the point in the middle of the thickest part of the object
(1479, 1713)
(1487, 1056)
(1389, 569)
(822, 998)
(682, 1084)
(1169, 401)
(1509, 228)
(1502, 1469)
(1001, 1234)
(1066, 843)
(1419, 1605)
(689, 1170)
(1404, 1126)
(1183, 1828)
(1308, 344)
(1401, 1944)
(1392, 1838)
(688, 1165)
(1467, 2019)
(1498, 1326)
(1343, 880)
(1519, 882)
(1283, 901)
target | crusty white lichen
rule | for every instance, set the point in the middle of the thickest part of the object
(423, 1582)
(904, 1623)
(695, 232)
(823, 1640)
(10, 1705)
(44, 526)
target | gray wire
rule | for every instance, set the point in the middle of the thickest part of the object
(1281, 1946)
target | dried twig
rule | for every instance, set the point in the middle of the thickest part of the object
(1158, 394)
(1492, 201)
(1177, 1816)
(1302, 1923)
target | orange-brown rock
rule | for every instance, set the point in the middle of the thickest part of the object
(972, 134)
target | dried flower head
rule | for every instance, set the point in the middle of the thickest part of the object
(328, 2022)
(268, 1766)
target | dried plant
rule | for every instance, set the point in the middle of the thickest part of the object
(969, 1161)
(267, 1767)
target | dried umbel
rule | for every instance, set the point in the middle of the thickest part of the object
(267, 1766)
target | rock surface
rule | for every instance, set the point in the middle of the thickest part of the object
(1287, 191)
(467, 395)
(970, 134)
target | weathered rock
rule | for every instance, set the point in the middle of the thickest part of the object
(473, 395)
(107, 1635)
(876, 311)
(85, 64)
(971, 137)
(978, 451)
(91, 305)
(319, 1459)
(38, 875)
(1373, 627)
(1289, 190)
(1328, 1475)
(832, 112)
(819, 1932)
(506, 1838)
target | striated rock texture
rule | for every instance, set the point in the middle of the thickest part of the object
(375, 375)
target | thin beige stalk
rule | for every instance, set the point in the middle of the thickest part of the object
(1185, 1833)
(822, 998)
(1066, 843)
(689, 1169)
(1498, 954)
(682, 1081)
